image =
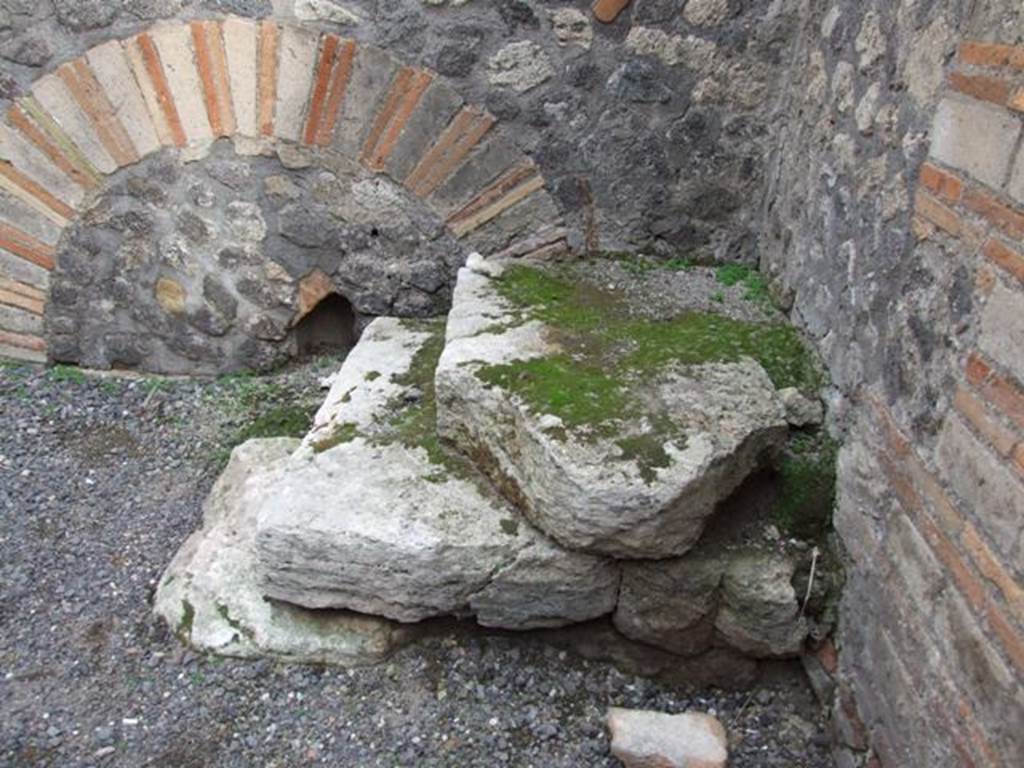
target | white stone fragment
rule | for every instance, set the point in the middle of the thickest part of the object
(645, 739)
(210, 593)
(325, 10)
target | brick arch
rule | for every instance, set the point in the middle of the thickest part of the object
(261, 84)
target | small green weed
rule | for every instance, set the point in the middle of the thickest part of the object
(67, 374)
(756, 288)
(807, 477)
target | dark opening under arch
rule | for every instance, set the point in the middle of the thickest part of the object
(330, 327)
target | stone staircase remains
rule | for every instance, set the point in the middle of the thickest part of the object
(542, 459)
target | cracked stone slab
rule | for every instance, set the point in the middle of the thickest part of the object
(582, 489)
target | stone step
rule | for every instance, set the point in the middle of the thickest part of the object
(373, 515)
(581, 417)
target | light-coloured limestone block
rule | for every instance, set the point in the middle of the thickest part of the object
(1002, 329)
(18, 319)
(157, 117)
(975, 472)
(975, 137)
(296, 60)
(115, 75)
(175, 46)
(20, 214)
(240, 46)
(17, 268)
(210, 595)
(54, 97)
(367, 519)
(18, 352)
(583, 488)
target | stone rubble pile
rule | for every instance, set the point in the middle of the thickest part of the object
(425, 490)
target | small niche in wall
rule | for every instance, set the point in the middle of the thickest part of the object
(329, 328)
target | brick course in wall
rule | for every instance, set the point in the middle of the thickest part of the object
(951, 559)
(186, 85)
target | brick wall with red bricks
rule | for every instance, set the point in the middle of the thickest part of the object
(933, 515)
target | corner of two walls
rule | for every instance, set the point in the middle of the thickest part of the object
(894, 228)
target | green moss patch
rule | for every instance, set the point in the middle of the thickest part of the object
(414, 423)
(188, 617)
(606, 349)
(807, 487)
(756, 288)
(339, 435)
(608, 354)
(256, 407)
(575, 392)
(278, 421)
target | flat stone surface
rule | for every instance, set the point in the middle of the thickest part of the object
(18, 213)
(519, 220)
(34, 168)
(19, 320)
(435, 110)
(585, 486)
(371, 516)
(17, 268)
(496, 155)
(210, 595)
(1002, 329)
(372, 70)
(547, 586)
(148, 89)
(974, 471)
(645, 739)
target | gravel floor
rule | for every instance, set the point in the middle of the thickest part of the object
(102, 479)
